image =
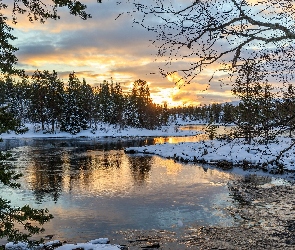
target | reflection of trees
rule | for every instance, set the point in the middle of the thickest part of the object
(80, 146)
(140, 167)
(80, 168)
(46, 175)
(83, 168)
(56, 166)
(69, 164)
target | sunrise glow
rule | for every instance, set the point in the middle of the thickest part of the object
(105, 49)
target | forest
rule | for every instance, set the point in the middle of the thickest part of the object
(53, 105)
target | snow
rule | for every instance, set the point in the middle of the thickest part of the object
(97, 244)
(53, 242)
(19, 246)
(88, 246)
(235, 151)
(104, 130)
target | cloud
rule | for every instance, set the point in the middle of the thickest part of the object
(104, 47)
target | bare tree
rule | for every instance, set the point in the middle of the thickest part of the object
(220, 33)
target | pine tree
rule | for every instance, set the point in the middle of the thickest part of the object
(286, 109)
(71, 120)
(55, 94)
(19, 102)
(267, 115)
(39, 89)
(229, 114)
(143, 107)
(118, 104)
(85, 103)
(165, 114)
(255, 111)
(104, 102)
(247, 87)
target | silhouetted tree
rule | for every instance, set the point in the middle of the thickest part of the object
(220, 32)
(286, 110)
(255, 111)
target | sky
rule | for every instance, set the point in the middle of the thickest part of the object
(109, 46)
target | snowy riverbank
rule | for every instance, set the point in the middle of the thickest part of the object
(104, 130)
(279, 154)
(228, 153)
(97, 244)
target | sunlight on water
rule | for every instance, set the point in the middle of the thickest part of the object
(220, 129)
(199, 137)
(94, 190)
(176, 139)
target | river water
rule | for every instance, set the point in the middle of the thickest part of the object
(94, 189)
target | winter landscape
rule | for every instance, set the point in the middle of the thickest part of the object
(147, 125)
(259, 161)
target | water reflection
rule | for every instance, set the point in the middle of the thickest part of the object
(94, 190)
(220, 130)
(140, 168)
(178, 139)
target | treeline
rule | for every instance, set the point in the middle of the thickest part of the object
(46, 101)
(50, 104)
(211, 113)
(261, 112)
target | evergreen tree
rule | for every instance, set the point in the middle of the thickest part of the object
(46, 98)
(19, 101)
(14, 96)
(229, 114)
(117, 104)
(71, 120)
(247, 87)
(96, 115)
(165, 114)
(85, 104)
(286, 109)
(55, 94)
(255, 111)
(39, 89)
(130, 115)
(142, 103)
(267, 116)
(215, 112)
(104, 102)
(78, 105)
(6, 90)
(7, 50)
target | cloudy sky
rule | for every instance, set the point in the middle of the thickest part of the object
(108, 47)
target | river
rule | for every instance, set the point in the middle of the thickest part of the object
(94, 189)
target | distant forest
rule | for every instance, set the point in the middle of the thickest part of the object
(45, 100)
(50, 104)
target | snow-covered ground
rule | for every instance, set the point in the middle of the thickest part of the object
(104, 130)
(236, 152)
(97, 244)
